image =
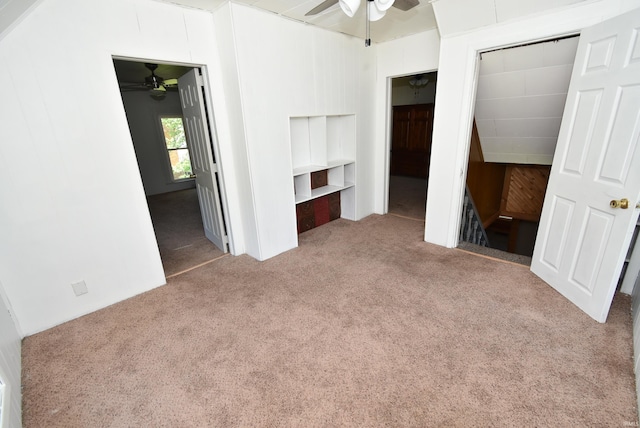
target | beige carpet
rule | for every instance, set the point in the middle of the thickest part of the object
(178, 226)
(363, 325)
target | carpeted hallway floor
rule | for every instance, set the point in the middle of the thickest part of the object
(363, 324)
(178, 226)
(408, 197)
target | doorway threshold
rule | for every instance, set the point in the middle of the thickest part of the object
(493, 253)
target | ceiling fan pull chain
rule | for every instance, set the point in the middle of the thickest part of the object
(367, 41)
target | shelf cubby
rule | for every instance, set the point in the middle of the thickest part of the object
(320, 143)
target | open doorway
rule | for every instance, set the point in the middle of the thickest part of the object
(168, 158)
(412, 104)
(519, 106)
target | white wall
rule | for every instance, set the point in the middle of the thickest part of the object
(455, 99)
(290, 69)
(409, 55)
(10, 366)
(80, 212)
(143, 115)
(73, 203)
(238, 188)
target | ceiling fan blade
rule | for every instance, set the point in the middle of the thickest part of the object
(125, 89)
(133, 87)
(326, 4)
(405, 5)
(170, 82)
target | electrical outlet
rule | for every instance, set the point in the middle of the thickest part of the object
(79, 288)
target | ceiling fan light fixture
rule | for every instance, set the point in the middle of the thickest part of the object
(419, 80)
(349, 7)
(158, 94)
(383, 5)
(375, 14)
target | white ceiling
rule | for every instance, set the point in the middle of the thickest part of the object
(451, 16)
(448, 16)
(395, 24)
(456, 16)
(520, 100)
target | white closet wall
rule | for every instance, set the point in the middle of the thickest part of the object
(286, 70)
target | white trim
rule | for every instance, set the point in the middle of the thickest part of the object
(10, 366)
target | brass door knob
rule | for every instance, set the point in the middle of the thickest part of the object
(622, 203)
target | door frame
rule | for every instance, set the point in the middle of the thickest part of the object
(459, 197)
(207, 98)
(475, 86)
(389, 131)
(455, 101)
(10, 363)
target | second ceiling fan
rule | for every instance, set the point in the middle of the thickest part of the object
(156, 85)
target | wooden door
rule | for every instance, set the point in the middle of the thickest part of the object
(411, 140)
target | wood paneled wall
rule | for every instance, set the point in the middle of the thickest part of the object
(523, 191)
(511, 190)
(485, 181)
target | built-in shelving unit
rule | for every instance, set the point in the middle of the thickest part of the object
(340, 177)
(321, 143)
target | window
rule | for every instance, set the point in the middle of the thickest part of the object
(177, 150)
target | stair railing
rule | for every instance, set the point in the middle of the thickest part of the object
(471, 228)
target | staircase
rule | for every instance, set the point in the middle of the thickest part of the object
(471, 228)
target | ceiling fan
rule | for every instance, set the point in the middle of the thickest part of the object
(153, 83)
(349, 9)
(375, 9)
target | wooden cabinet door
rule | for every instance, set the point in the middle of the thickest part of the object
(421, 129)
(401, 128)
(411, 140)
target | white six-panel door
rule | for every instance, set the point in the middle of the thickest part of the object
(200, 150)
(582, 239)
